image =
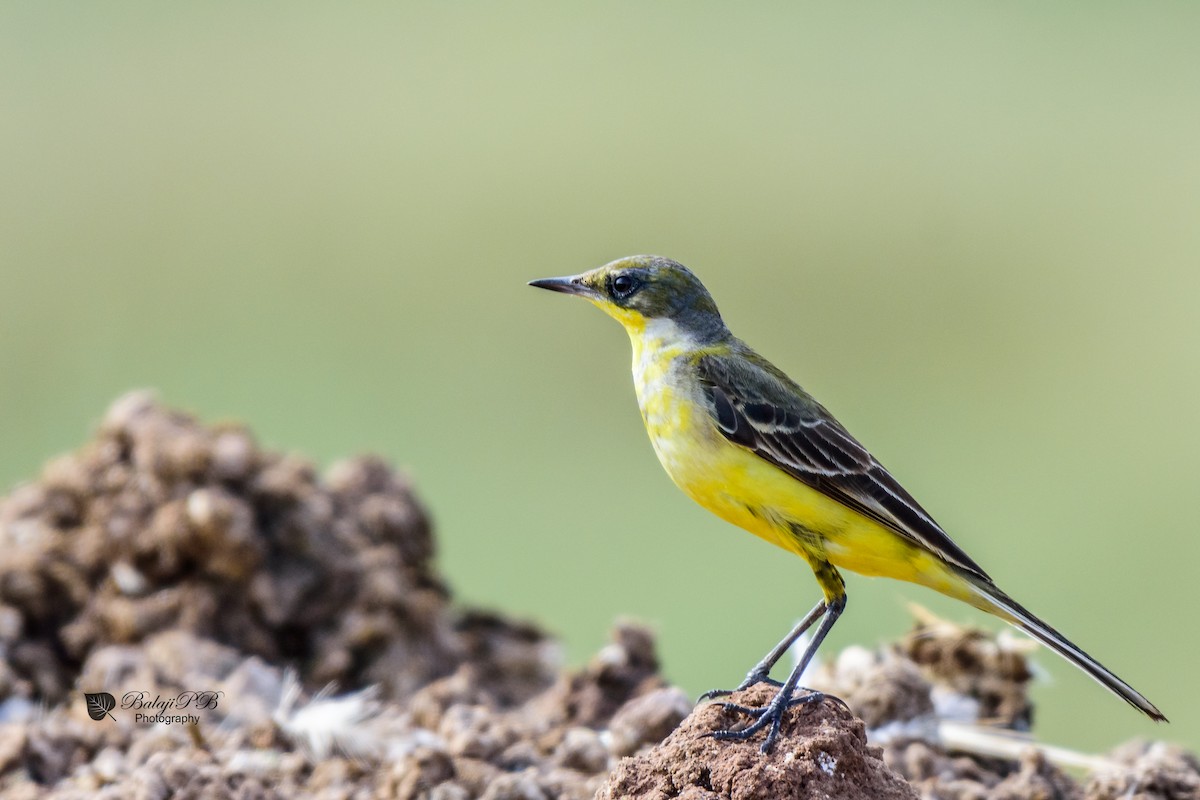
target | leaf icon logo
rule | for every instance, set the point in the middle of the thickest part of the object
(99, 704)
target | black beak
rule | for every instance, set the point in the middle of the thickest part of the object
(568, 285)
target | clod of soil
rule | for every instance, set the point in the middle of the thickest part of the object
(168, 557)
(821, 752)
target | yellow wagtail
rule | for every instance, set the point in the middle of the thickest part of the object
(747, 443)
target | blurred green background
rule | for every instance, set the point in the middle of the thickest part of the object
(972, 230)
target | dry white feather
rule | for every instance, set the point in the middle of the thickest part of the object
(328, 724)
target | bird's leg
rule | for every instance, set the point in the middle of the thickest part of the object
(772, 714)
(762, 670)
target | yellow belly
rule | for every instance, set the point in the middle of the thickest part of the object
(745, 490)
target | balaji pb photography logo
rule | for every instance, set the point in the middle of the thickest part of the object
(100, 705)
(152, 710)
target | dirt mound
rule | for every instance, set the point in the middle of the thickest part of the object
(924, 728)
(821, 752)
(184, 574)
(161, 524)
(177, 604)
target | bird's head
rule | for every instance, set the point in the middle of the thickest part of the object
(637, 290)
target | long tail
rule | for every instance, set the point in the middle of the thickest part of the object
(989, 598)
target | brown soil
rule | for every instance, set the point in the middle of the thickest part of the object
(168, 557)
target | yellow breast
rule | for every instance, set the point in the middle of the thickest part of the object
(746, 490)
(729, 481)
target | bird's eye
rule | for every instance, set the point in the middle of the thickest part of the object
(624, 285)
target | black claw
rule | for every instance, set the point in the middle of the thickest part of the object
(776, 722)
(817, 697)
(753, 679)
(828, 612)
(770, 714)
(811, 697)
(749, 711)
(767, 714)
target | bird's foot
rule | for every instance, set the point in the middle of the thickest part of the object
(768, 716)
(753, 678)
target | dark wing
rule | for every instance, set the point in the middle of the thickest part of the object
(758, 407)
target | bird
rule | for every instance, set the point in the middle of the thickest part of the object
(746, 442)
